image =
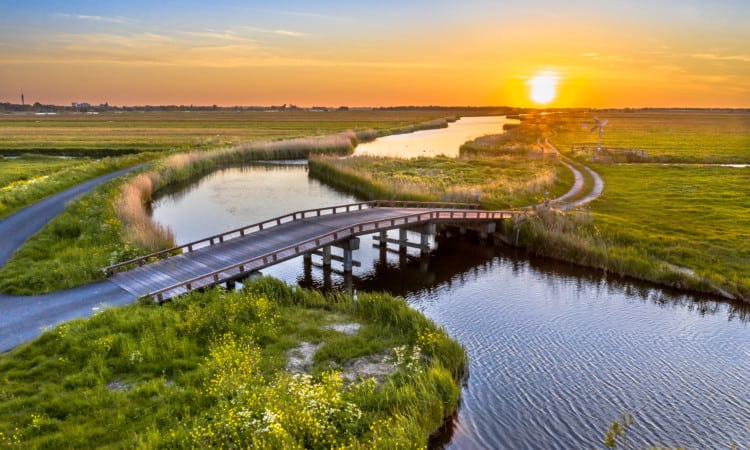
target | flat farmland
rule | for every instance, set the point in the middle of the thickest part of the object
(110, 133)
(699, 136)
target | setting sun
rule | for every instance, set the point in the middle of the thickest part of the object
(543, 87)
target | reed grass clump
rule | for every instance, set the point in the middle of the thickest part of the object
(135, 196)
(210, 369)
(497, 182)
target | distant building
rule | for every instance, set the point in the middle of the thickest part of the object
(23, 101)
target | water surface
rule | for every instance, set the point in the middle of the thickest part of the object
(442, 141)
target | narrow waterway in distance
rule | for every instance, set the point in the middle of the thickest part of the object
(441, 141)
(556, 352)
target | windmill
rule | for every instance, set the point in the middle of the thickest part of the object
(599, 125)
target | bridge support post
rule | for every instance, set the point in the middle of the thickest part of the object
(327, 255)
(402, 240)
(307, 269)
(427, 231)
(231, 285)
(327, 280)
(348, 247)
(383, 239)
(486, 230)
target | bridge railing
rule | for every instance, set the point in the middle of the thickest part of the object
(238, 269)
(291, 217)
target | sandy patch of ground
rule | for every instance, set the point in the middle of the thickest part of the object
(301, 357)
(349, 329)
(377, 366)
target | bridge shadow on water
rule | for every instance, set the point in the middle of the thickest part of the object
(459, 260)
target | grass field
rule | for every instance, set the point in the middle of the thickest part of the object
(28, 178)
(676, 206)
(116, 132)
(692, 217)
(667, 136)
(211, 370)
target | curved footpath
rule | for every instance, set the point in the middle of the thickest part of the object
(24, 318)
(562, 202)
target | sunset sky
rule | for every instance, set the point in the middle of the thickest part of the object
(602, 53)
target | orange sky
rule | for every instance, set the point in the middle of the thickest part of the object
(481, 52)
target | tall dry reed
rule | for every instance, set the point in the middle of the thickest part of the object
(131, 207)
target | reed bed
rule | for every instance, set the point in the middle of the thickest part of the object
(138, 224)
(498, 182)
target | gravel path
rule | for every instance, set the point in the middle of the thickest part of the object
(24, 318)
(562, 202)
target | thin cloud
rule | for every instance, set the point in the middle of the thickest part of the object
(308, 15)
(279, 32)
(289, 33)
(91, 18)
(219, 35)
(716, 57)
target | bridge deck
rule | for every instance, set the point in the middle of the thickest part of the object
(236, 257)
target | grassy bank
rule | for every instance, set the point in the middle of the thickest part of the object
(505, 181)
(696, 219)
(29, 178)
(217, 370)
(72, 248)
(683, 225)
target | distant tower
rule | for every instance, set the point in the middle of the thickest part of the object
(22, 101)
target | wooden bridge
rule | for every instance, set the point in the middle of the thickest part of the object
(236, 254)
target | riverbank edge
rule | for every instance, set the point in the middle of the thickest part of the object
(539, 238)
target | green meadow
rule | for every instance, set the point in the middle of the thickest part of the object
(696, 218)
(213, 370)
(698, 136)
(113, 133)
(675, 216)
(29, 177)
